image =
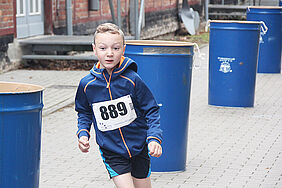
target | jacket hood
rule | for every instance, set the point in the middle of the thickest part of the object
(125, 64)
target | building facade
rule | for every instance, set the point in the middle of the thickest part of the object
(26, 18)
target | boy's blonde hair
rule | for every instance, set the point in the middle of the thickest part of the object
(109, 28)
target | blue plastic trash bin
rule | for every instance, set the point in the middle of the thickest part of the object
(233, 55)
(166, 68)
(270, 44)
(20, 134)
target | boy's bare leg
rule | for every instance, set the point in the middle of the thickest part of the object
(123, 181)
(142, 183)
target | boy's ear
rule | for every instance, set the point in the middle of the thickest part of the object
(123, 49)
(93, 46)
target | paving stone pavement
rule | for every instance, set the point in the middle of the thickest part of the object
(60, 86)
(227, 147)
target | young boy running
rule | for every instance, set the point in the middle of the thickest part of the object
(123, 110)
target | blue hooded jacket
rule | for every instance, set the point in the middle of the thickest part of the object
(99, 86)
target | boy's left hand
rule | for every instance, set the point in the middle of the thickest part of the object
(155, 149)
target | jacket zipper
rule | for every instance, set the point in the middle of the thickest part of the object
(109, 89)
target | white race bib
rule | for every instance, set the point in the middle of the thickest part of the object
(111, 115)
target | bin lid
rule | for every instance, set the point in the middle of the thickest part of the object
(158, 43)
(265, 7)
(14, 88)
(234, 21)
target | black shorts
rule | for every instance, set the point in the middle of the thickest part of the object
(139, 165)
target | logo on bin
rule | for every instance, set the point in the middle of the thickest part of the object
(225, 66)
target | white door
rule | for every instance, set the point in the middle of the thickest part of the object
(29, 18)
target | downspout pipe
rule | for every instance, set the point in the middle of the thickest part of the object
(69, 17)
(136, 17)
(138, 34)
(112, 11)
(118, 14)
(206, 10)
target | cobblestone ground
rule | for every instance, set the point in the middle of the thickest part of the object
(60, 86)
(227, 147)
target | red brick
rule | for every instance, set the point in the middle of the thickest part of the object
(166, 3)
(149, 4)
(5, 25)
(10, 24)
(158, 4)
(7, 19)
(94, 13)
(8, 12)
(173, 2)
(6, 1)
(105, 8)
(80, 15)
(6, 6)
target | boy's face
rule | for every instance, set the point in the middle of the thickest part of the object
(108, 48)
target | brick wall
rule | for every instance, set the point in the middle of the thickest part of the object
(6, 17)
(81, 14)
(82, 17)
(85, 21)
(6, 32)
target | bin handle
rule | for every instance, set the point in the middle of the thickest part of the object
(207, 25)
(200, 55)
(264, 28)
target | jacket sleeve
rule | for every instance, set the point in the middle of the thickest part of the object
(84, 113)
(150, 108)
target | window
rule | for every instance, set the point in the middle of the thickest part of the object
(20, 7)
(34, 7)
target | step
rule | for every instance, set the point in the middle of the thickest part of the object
(60, 57)
(63, 40)
(63, 43)
(228, 7)
(58, 40)
(227, 14)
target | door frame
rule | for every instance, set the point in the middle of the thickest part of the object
(48, 21)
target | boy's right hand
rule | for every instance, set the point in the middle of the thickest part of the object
(83, 144)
